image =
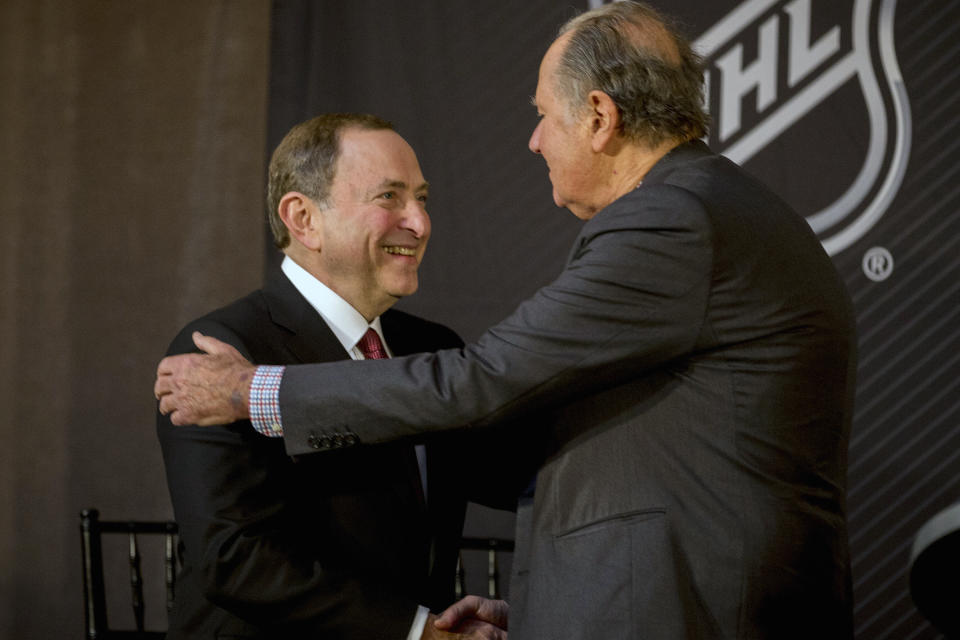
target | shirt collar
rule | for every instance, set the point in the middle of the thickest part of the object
(347, 323)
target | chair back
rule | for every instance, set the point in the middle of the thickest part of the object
(495, 548)
(94, 593)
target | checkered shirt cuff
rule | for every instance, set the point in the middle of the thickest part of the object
(265, 401)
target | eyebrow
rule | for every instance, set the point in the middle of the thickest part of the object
(400, 184)
(533, 103)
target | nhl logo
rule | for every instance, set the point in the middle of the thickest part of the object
(808, 96)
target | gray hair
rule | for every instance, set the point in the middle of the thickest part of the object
(306, 161)
(630, 52)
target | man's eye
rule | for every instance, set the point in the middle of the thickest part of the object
(387, 196)
(422, 198)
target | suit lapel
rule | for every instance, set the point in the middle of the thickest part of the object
(309, 339)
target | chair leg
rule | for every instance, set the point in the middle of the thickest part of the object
(94, 597)
(170, 568)
(460, 586)
(136, 581)
(493, 573)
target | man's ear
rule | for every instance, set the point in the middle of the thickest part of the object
(604, 120)
(302, 218)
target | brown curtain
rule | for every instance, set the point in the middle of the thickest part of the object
(133, 139)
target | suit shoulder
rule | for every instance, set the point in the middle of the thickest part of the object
(235, 323)
(406, 323)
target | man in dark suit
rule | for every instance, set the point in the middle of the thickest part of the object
(345, 546)
(695, 360)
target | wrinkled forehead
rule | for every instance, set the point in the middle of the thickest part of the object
(548, 67)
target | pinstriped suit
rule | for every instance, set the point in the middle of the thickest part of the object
(695, 364)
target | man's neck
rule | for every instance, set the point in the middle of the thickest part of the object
(304, 260)
(633, 163)
(346, 322)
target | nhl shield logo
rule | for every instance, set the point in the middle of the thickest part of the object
(807, 95)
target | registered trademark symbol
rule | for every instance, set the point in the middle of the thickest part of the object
(877, 264)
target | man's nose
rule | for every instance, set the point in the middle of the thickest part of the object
(415, 219)
(534, 143)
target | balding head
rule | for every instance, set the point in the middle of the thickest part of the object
(628, 51)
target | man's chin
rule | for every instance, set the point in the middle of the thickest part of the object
(557, 200)
(402, 290)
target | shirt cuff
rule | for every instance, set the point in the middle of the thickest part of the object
(419, 622)
(265, 401)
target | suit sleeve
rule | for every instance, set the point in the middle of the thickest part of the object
(632, 297)
(253, 555)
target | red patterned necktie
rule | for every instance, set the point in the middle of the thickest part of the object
(371, 347)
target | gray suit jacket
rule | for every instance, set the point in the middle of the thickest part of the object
(694, 363)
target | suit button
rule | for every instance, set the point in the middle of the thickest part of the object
(313, 441)
(350, 438)
(337, 441)
(324, 442)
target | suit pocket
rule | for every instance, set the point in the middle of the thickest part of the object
(608, 564)
(612, 574)
(609, 521)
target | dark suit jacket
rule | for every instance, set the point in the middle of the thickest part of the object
(276, 547)
(696, 362)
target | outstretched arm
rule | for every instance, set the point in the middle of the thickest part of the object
(632, 298)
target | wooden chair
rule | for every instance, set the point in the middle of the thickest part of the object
(94, 593)
(494, 548)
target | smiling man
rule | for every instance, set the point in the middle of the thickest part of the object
(345, 547)
(694, 362)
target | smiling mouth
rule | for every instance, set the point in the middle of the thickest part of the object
(401, 251)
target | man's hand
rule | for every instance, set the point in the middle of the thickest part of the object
(472, 617)
(468, 629)
(205, 389)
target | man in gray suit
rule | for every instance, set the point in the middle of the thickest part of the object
(694, 362)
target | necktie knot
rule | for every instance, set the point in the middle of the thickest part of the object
(371, 347)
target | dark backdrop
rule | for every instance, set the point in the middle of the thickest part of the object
(131, 162)
(132, 144)
(806, 94)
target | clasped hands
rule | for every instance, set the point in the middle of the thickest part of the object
(472, 618)
(206, 388)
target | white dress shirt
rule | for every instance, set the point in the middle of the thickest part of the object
(349, 325)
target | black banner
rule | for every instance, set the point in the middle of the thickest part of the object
(847, 108)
